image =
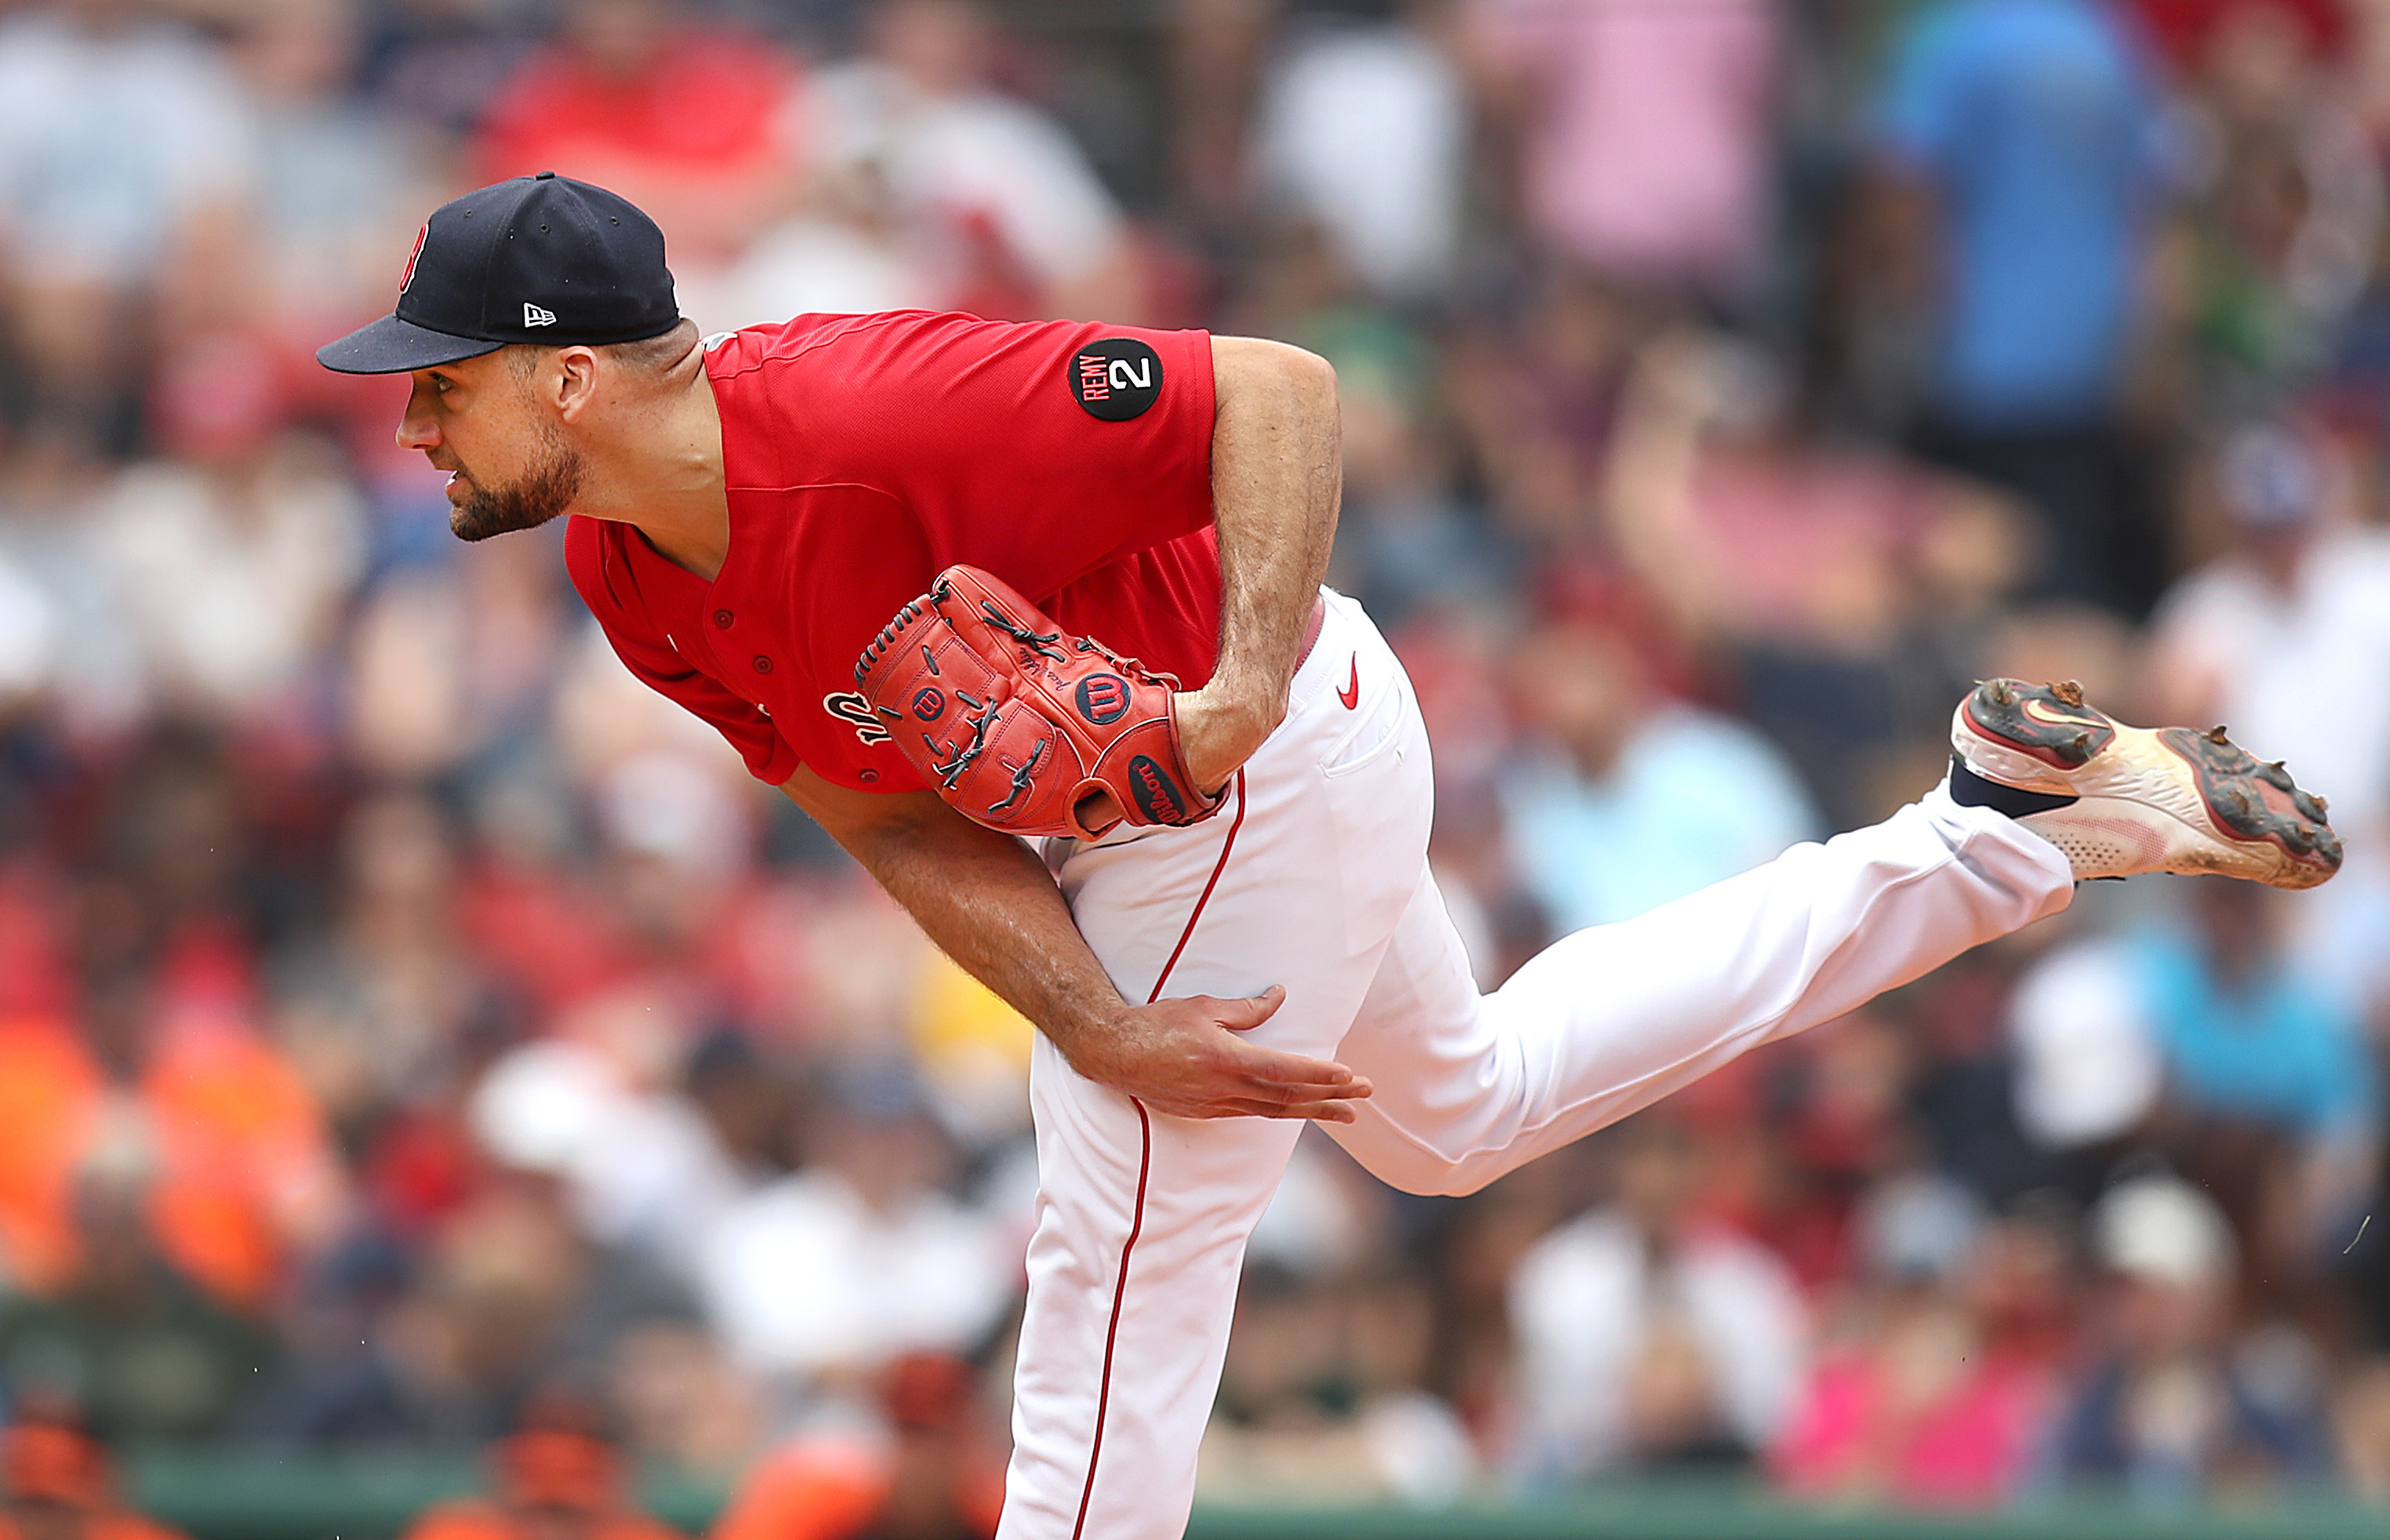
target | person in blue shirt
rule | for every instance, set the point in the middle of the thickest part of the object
(2022, 137)
(2244, 1037)
(1625, 799)
(2273, 1097)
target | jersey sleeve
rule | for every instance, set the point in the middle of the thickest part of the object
(650, 654)
(1038, 451)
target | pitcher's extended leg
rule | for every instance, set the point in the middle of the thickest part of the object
(1611, 1019)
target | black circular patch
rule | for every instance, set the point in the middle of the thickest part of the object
(928, 701)
(1157, 795)
(1115, 378)
(1102, 697)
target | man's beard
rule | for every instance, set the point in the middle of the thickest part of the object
(537, 496)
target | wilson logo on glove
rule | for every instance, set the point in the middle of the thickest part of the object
(1042, 723)
(1157, 795)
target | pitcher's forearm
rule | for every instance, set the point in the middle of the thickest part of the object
(1276, 478)
(993, 907)
(990, 904)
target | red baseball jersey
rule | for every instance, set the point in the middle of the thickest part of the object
(863, 454)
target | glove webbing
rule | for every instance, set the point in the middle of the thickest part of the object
(961, 760)
(1020, 778)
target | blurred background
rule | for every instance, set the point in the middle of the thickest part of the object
(420, 1044)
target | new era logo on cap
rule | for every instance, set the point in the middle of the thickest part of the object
(595, 254)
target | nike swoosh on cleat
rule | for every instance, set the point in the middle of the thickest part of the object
(2040, 712)
(1351, 694)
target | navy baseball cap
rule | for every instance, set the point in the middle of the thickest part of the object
(539, 258)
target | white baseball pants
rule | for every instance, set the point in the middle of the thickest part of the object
(1314, 877)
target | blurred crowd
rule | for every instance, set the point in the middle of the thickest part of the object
(414, 1035)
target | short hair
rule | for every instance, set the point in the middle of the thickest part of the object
(648, 355)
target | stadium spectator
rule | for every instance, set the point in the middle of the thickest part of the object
(1936, 1391)
(557, 1475)
(1534, 394)
(2087, 1071)
(58, 1482)
(1625, 798)
(2274, 1109)
(1647, 1336)
(2165, 1408)
(683, 119)
(1405, 539)
(2281, 632)
(639, 1162)
(1641, 131)
(2018, 140)
(2202, 1038)
(820, 1278)
(509, 1297)
(230, 559)
(382, 999)
(931, 1473)
(991, 196)
(333, 182)
(97, 1338)
(2361, 1426)
(162, 1077)
(2284, 200)
(126, 153)
(1363, 129)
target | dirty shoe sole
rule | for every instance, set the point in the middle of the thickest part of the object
(2167, 799)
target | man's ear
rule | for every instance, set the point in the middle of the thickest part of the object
(575, 381)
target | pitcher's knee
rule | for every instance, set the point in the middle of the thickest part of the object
(1463, 1178)
(1455, 1182)
(1427, 1174)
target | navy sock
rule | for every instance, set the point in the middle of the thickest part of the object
(1969, 790)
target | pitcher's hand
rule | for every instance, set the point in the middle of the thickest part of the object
(1185, 1057)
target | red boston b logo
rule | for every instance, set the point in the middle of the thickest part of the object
(407, 277)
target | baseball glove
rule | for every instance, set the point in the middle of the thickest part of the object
(1018, 726)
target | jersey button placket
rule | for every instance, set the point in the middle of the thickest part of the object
(763, 664)
(722, 618)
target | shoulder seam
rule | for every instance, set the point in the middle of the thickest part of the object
(870, 322)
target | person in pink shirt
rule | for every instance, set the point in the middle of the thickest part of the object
(1642, 129)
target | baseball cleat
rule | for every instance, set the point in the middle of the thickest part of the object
(2146, 799)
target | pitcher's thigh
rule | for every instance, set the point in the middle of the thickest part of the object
(1436, 1064)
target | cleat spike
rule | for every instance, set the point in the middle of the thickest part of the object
(2216, 733)
(2001, 696)
(2068, 691)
